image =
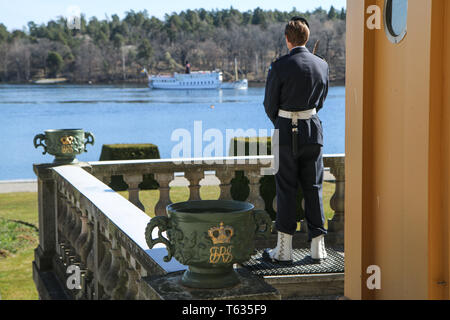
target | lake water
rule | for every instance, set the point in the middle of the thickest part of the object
(124, 114)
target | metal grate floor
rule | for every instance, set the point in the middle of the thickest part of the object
(302, 264)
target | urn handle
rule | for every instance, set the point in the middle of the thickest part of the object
(89, 139)
(163, 224)
(263, 223)
(37, 141)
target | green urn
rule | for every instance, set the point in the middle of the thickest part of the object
(209, 237)
(64, 144)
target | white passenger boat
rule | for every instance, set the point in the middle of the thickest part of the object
(181, 81)
(194, 80)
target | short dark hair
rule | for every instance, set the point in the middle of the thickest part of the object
(297, 18)
(297, 31)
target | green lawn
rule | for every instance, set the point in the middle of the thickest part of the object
(18, 240)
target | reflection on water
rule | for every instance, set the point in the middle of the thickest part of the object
(124, 114)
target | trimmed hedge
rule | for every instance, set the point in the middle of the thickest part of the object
(130, 152)
(239, 185)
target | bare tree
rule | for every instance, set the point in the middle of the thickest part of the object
(4, 61)
(88, 61)
(19, 57)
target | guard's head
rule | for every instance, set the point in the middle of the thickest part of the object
(297, 32)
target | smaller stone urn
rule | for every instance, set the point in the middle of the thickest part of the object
(64, 144)
(209, 237)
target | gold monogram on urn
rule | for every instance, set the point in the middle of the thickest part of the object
(221, 234)
(67, 142)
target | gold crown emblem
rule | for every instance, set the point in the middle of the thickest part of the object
(67, 140)
(221, 234)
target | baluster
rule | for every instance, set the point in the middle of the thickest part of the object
(73, 235)
(61, 211)
(133, 289)
(90, 263)
(65, 212)
(105, 264)
(194, 178)
(120, 290)
(255, 196)
(337, 202)
(225, 177)
(86, 246)
(133, 182)
(90, 260)
(112, 276)
(164, 192)
(142, 294)
(81, 239)
(97, 251)
(68, 222)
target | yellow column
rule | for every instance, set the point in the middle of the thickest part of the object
(397, 156)
(439, 193)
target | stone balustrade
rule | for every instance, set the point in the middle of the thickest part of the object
(89, 230)
(194, 171)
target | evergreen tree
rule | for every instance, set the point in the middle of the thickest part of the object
(145, 52)
(54, 63)
(332, 14)
(3, 33)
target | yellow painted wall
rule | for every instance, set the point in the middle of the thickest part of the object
(397, 155)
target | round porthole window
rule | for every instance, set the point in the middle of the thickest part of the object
(395, 19)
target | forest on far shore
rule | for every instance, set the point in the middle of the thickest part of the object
(116, 50)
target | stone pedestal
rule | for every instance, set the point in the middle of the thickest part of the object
(46, 201)
(169, 287)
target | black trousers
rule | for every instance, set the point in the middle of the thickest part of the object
(305, 171)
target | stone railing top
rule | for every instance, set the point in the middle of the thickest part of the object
(129, 219)
(181, 165)
(264, 160)
(337, 155)
(189, 161)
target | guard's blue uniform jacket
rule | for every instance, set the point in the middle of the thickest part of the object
(298, 82)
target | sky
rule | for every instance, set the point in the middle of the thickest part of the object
(15, 14)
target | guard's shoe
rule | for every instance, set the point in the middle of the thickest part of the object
(318, 251)
(283, 251)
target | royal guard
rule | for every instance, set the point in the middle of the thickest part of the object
(296, 89)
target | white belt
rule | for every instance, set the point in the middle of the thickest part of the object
(298, 115)
(295, 116)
